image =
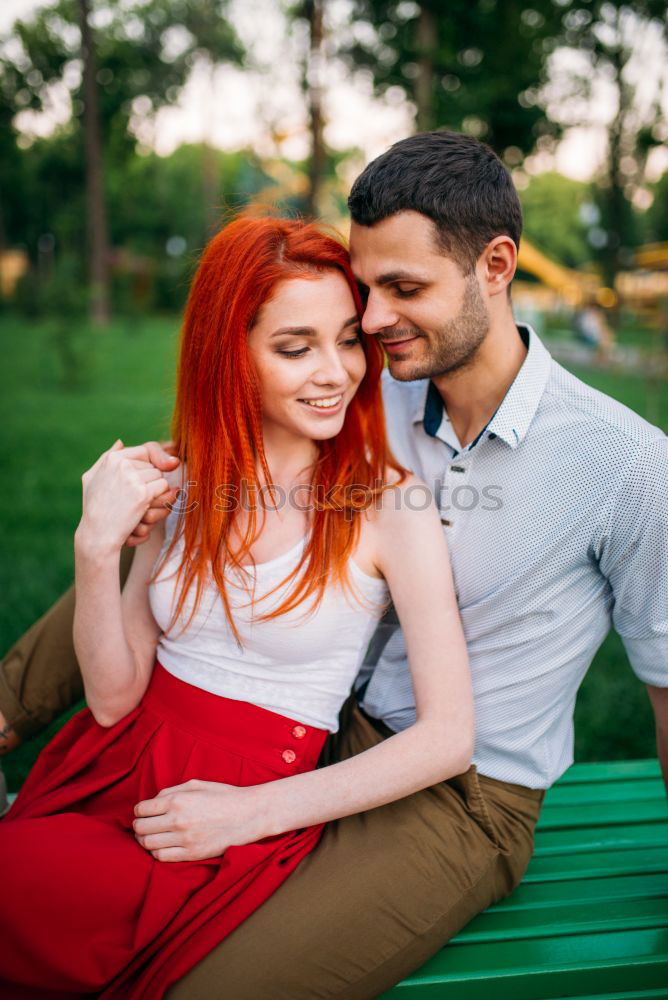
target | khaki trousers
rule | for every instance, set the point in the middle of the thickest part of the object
(382, 892)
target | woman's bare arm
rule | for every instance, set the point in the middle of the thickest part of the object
(115, 637)
(413, 558)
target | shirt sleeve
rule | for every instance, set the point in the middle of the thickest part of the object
(634, 559)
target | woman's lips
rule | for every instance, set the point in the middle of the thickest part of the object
(323, 410)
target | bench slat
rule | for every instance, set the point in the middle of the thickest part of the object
(543, 968)
(618, 771)
(596, 864)
(603, 814)
(605, 791)
(590, 919)
(601, 838)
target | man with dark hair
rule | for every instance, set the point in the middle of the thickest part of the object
(554, 501)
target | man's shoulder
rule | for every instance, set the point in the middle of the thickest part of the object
(586, 408)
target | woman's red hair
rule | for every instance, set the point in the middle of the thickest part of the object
(217, 423)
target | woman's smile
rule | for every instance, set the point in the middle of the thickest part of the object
(327, 405)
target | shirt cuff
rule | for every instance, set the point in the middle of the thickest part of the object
(649, 659)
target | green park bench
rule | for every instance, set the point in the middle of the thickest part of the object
(590, 919)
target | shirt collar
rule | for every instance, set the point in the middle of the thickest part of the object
(517, 408)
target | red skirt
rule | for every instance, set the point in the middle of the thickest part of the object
(84, 908)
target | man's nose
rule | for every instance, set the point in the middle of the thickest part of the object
(378, 314)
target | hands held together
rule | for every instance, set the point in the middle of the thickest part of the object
(125, 493)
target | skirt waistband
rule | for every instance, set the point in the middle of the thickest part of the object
(283, 744)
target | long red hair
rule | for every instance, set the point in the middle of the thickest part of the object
(217, 423)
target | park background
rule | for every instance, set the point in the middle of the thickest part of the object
(130, 128)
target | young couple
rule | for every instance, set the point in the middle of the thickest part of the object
(171, 840)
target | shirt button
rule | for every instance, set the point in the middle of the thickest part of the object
(299, 732)
(289, 756)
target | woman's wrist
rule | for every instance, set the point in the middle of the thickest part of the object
(93, 546)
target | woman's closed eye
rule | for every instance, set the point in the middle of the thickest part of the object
(299, 352)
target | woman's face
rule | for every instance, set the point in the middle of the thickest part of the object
(306, 345)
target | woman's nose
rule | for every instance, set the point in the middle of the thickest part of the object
(331, 370)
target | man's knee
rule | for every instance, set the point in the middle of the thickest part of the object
(39, 675)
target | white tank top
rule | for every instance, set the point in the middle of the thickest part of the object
(297, 665)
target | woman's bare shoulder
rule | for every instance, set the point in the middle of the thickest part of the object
(401, 500)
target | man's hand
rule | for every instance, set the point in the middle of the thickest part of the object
(159, 456)
(198, 820)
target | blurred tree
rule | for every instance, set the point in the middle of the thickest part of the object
(311, 14)
(473, 65)
(656, 218)
(314, 10)
(145, 52)
(555, 212)
(96, 215)
(623, 45)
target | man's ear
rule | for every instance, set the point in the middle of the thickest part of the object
(497, 264)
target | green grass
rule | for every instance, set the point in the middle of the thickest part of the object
(65, 398)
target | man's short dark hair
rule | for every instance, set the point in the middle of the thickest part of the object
(455, 180)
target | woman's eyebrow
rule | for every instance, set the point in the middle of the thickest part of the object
(309, 331)
(304, 331)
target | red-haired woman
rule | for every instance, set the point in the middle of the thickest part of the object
(168, 810)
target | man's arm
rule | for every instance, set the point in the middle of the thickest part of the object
(659, 699)
(634, 560)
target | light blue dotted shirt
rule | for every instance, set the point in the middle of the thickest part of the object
(557, 523)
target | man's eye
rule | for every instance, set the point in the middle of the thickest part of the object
(406, 291)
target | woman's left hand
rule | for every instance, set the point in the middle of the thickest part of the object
(197, 820)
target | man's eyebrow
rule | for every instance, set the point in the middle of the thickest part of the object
(309, 331)
(390, 276)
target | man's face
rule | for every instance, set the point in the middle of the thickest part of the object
(430, 317)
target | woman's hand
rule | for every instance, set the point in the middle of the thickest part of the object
(198, 820)
(117, 491)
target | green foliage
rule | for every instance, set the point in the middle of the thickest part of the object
(656, 219)
(487, 60)
(145, 49)
(157, 220)
(551, 206)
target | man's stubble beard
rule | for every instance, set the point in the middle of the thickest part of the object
(455, 345)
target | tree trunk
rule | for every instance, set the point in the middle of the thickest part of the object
(618, 207)
(210, 163)
(314, 84)
(96, 220)
(424, 83)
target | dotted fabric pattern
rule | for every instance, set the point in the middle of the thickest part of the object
(557, 524)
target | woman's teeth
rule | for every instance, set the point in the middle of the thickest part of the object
(324, 404)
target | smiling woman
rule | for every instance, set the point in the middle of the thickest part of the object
(187, 792)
